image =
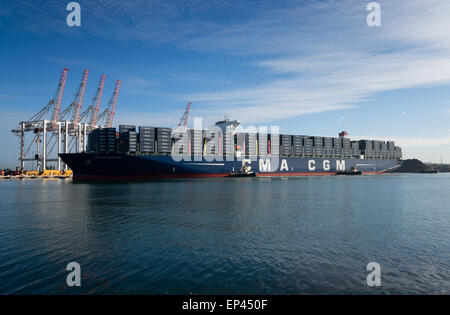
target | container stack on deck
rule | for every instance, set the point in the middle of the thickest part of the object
(355, 149)
(377, 149)
(228, 143)
(274, 144)
(391, 149)
(366, 147)
(328, 147)
(250, 144)
(263, 144)
(384, 150)
(337, 147)
(297, 143)
(286, 145)
(180, 142)
(318, 146)
(147, 139)
(196, 141)
(212, 142)
(102, 140)
(151, 140)
(308, 146)
(164, 140)
(346, 147)
(127, 139)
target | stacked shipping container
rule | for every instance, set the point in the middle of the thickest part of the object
(377, 149)
(328, 146)
(286, 145)
(263, 144)
(337, 147)
(164, 140)
(346, 148)
(147, 139)
(152, 140)
(391, 149)
(318, 146)
(298, 145)
(308, 146)
(102, 140)
(355, 149)
(127, 133)
(366, 146)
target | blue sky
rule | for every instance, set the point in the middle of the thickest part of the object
(311, 67)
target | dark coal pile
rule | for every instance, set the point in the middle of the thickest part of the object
(414, 166)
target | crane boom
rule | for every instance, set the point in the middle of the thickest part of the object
(96, 102)
(113, 104)
(59, 96)
(80, 96)
(184, 119)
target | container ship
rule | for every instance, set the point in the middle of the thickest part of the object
(221, 151)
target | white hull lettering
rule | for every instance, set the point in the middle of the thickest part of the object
(264, 165)
(312, 165)
(284, 165)
(340, 165)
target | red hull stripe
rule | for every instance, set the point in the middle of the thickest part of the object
(143, 176)
(278, 174)
(161, 176)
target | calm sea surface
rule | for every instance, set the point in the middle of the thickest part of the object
(227, 236)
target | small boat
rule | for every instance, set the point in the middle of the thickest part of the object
(238, 174)
(243, 172)
(353, 171)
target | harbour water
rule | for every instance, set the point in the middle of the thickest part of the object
(227, 236)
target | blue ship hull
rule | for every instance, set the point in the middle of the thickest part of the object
(112, 166)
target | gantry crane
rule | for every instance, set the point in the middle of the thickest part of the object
(77, 103)
(40, 124)
(92, 112)
(184, 118)
(75, 131)
(107, 115)
(50, 128)
(54, 104)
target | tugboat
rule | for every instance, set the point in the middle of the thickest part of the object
(353, 171)
(244, 171)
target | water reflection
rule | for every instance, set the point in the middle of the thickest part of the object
(251, 235)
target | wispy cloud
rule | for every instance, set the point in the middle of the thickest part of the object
(165, 119)
(314, 56)
(424, 142)
(135, 85)
(337, 63)
(137, 81)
